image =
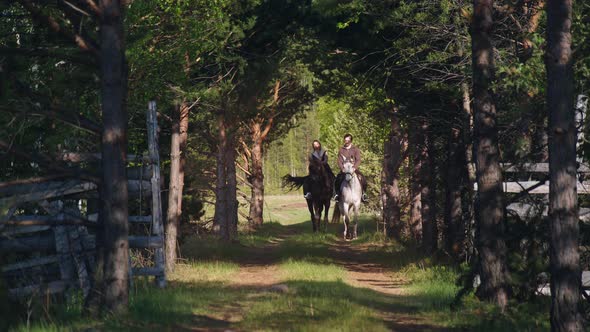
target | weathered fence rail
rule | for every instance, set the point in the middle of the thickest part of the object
(535, 185)
(54, 246)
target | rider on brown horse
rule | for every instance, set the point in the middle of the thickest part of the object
(350, 152)
(318, 154)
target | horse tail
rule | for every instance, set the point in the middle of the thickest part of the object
(336, 214)
(293, 182)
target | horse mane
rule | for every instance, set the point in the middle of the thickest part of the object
(317, 164)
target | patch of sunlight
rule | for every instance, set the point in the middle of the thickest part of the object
(197, 271)
(316, 306)
(303, 269)
(432, 287)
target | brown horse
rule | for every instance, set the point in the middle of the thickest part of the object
(321, 186)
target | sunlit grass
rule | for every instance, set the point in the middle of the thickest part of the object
(435, 287)
(286, 209)
(204, 271)
(315, 293)
(311, 271)
(316, 306)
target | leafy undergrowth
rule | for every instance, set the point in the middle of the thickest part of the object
(433, 290)
(313, 293)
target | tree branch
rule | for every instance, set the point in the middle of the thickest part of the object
(266, 129)
(243, 169)
(49, 53)
(54, 26)
(71, 118)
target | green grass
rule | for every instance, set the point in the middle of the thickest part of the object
(204, 271)
(310, 271)
(316, 295)
(286, 209)
(433, 289)
(316, 306)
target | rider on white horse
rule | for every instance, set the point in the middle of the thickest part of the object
(350, 152)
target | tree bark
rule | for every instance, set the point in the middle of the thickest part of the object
(390, 190)
(563, 199)
(259, 128)
(176, 183)
(416, 186)
(428, 191)
(231, 192)
(455, 180)
(256, 177)
(468, 193)
(221, 212)
(114, 196)
(184, 119)
(225, 222)
(489, 207)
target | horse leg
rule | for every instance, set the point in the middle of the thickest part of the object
(311, 214)
(344, 210)
(318, 217)
(326, 210)
(356, 216)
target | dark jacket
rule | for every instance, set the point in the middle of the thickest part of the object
(320, 155)
(352, 153)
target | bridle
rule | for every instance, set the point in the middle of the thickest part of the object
(348, 170)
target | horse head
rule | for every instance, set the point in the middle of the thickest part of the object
(348, 169)
(316, 168)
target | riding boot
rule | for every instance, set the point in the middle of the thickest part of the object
(363, 182)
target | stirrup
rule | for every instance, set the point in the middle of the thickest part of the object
(364, 198)
(307, 196)
(335, 198)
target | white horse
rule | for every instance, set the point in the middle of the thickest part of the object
(350, 198)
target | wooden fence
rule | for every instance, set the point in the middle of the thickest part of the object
(48, 225)
(528, 187)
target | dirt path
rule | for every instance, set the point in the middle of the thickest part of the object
(262, 272)
(363, 273)
(259, 270)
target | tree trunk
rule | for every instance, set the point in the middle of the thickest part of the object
(391, 196)
(176, 183)
(259, 129)
(428, 191)
(256, 177)
(468, 194)
(220, 217)
(563, 199)
(184, 118)
(225, 222)
(416, 186)
(231, 192)
(539, 148)
(114, 196)
(95, 299)
(455, 180)
(489, 207)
